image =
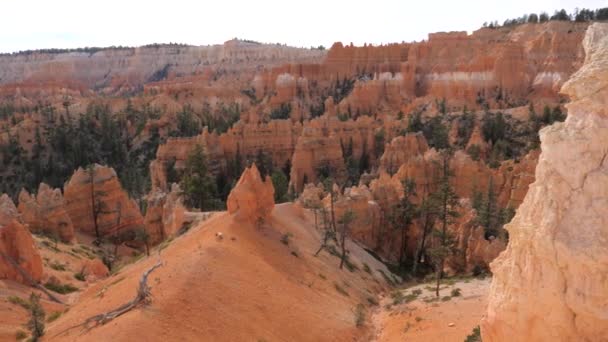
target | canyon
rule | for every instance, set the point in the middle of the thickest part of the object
(312, 159)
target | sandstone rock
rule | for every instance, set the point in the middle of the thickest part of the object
(474, 250)
(46, 213)
(17, 244)
(550, 283)
(252, 199)
(312, 196)
(401, 149)
(117, 213)
(366, 223)
(94, 269)
(165, 214)
(8, 211)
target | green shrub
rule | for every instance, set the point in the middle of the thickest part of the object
(360, 315)
(445, 298)
(57, 266)
(61, 288)
(79, 276)
(341, 290)
(456, 292)
(19, 301)
(372, 301)
(53, 316)
(20, 335)
(475, 335)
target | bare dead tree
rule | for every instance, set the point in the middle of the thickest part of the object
(143, 297)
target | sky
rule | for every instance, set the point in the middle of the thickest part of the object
(38, 24)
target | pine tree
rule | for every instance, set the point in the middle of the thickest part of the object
(37, 315)
(198, 187)
(405, 213)
(345, 220)
(446, 201)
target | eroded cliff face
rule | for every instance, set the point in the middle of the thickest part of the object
(550, 284)
(129, 68)
(96, 192)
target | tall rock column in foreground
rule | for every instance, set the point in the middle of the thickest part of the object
(252, 199)
(551, 284)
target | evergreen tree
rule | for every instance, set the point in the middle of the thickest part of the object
(198, 186)
(345, 220)
(37, 315)
(446, 202)
(405, 213)
(280, 183)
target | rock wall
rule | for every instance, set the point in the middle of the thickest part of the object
(550, 284)
(117, 213)
(46, 212)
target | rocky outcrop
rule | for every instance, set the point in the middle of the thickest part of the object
(400, 149)
(365, 225)
(18, 251)
(165, 214)
(474, 251)
(94, 269)
(550, 284)
(252, 199)
(96, 192)
(46, 212)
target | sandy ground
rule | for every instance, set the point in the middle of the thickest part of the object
(421, 320)
(250, 286)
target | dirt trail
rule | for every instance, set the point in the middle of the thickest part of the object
(422, 318)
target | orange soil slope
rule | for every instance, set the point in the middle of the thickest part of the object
(247, 287)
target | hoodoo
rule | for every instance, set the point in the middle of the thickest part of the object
(252, 199)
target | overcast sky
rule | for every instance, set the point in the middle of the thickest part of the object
(36, 24)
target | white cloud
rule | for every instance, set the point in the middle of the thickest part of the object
(33, 24)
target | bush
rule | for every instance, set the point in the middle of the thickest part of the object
(19, 301)
(475, 335)
(79, 276)
(53, 316)
(360, 315)
(456, 292)
(341, 290)
(57, 266)
(20, 335)
(61, 288)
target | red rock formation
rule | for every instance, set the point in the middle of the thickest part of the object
(117, 213)
(46, 212)
(16, 246)
(165, 214)
(94, 269)
(252, 199)
(364, 227)
(474, 250)
(550, 283)
(400, 149)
